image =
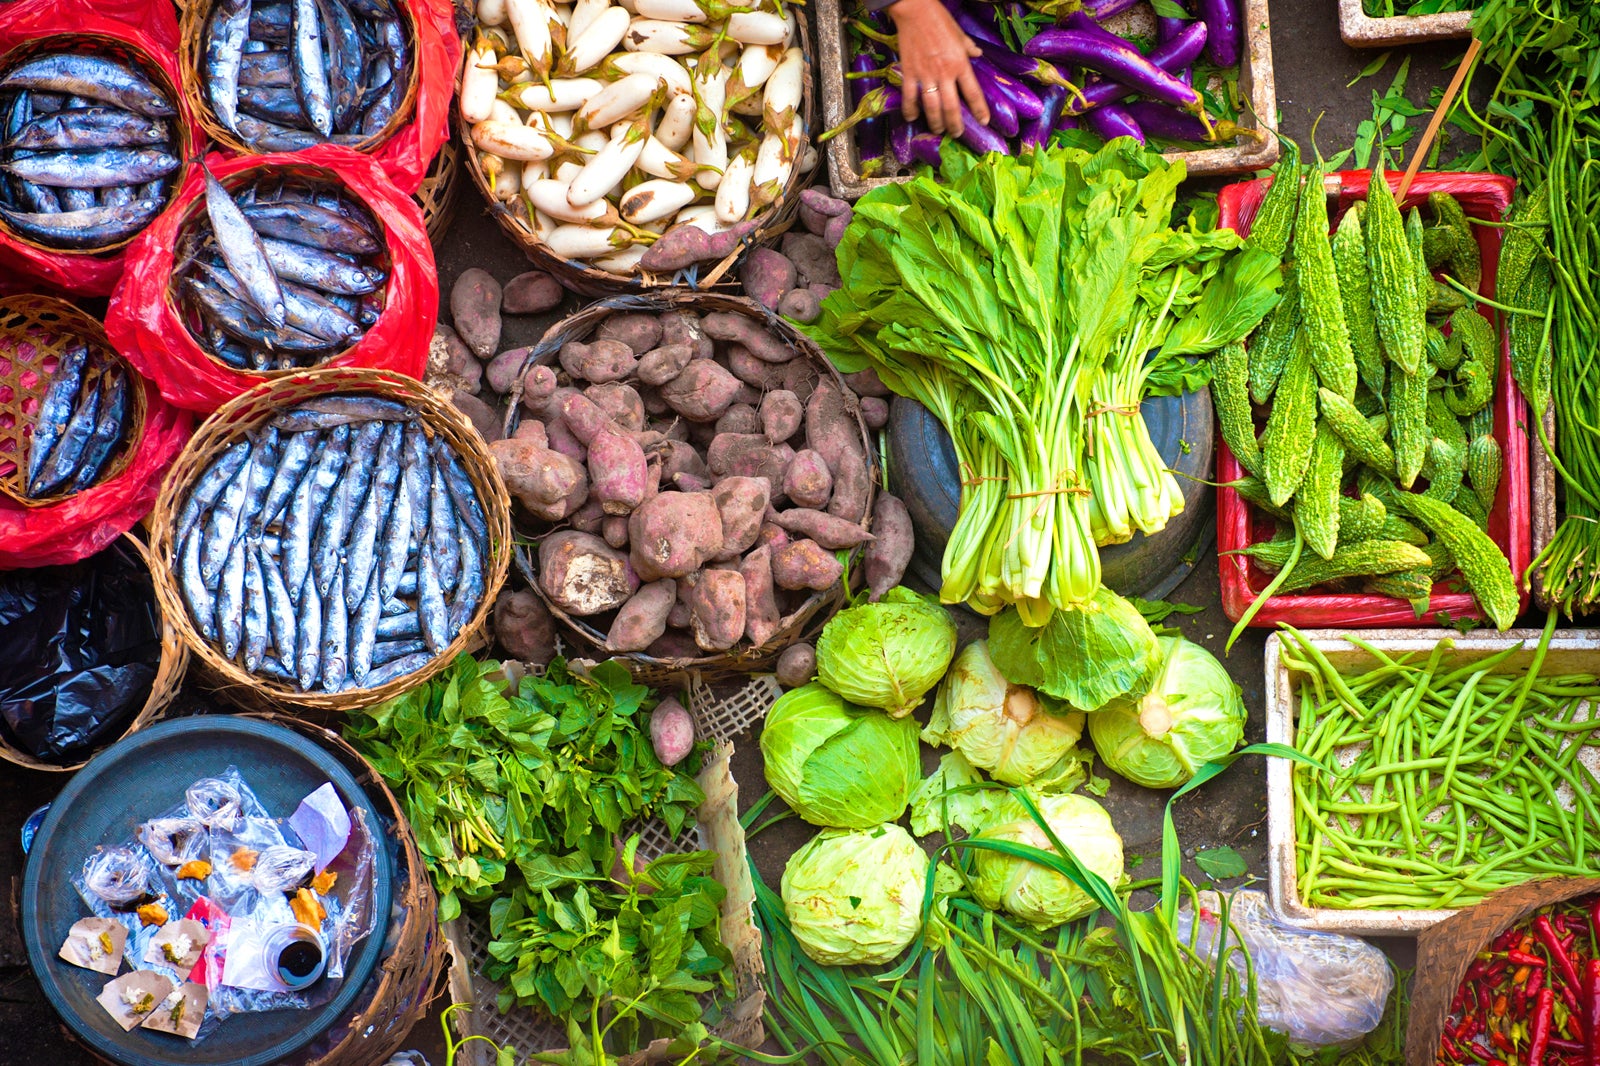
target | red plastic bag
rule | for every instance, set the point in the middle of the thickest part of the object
(146, 328)
(150, 27)
(86, 522)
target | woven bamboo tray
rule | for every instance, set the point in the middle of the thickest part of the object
(163, 690)
(191, 60)
(1360, 30)
(247, 412)
(113, 48)
(441, 188)
(800, 624)
(35, 332)
(717, 829)
(588, 280)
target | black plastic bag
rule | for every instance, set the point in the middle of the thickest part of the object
(79, 648)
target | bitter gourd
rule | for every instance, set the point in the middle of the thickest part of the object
(1481, 562)
(1408, 421)
(1361, 559)
(1452, 235)
(1484, 464)
(1274, 221)
(1286, 444)
(1355, 292)
(1356, 432)
(1393, 276)
(1316, 503)
(1530, 344)
(1475, 375)
(1272, 343)
(1360, 519)
(1321, 306)
(1230, 389)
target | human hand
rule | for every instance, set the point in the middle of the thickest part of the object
(935, 66)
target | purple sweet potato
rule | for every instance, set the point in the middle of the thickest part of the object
(484, 418)
(805, 564)
(797, 665)
(678, 614)
(538, 385)
(619, 401)
(874, 411)
(742, 329)
(739, 418)
(716, 608)
(800, 378)
(800, 305)
(683, 327)
(702, 392)
(832, 432)
(816, 207)
(811, 256)
(614, 530)
(660, 365)
(673, 534)
(766, 275)
(824, 528)
(834, 234)
(503, 369)
(742, 505)
(643, 618)
(531, 429)
(550, 485)
(808, 482)
(681, 246)
(562, 440)
(852, 487)
(887, 557)
(524, 628)
(582, 415)
(450, 359)
(583, 575)
(639, 330)
(747, 455)
(679, 457)
(755, 372)
(750, 396)
(866, 383)
(654, 405)
(781, 415)
(772, 536)
(761, 617)
(821, 291)
(531, 293)
(671, 731)
(617, 471)
(590, 518)
(674, 644)
(598, 363)
(475, 310)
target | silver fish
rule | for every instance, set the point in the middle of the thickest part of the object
(431, 607)
(364, 633)
(55, 410)
(255, 611)
(298, 451)
(462, 492)
(73, 199)
(271, 103)
(62, 463)
(418, 473)
(408, 584)
(242, 251)
(108, 429)
(314, 226)
(305, 265)
(335, 637)
(266, 68)
(92, 127)
(266, 443)
(396, 608)
(211, 484)
(308, 640)
(469, 591)
(239, 320)
(399, 626)
(230, 600)
(270, 22)
(390, 650)
(328, 544)
(310, 64)
(311, 312)
(344, 61)
(443, 531)
(224, 522)
(39, 199)
(277, 671)
(396, 545)
(227, 29)
(120, 196)
(360, 405)
(94, 77)
(202, 606)
(280, 609)
(93, 170)
(399, 668)
(362, 546)
(93, 227)
(305, 509)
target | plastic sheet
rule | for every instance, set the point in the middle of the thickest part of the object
(405, 157)
(150, 27)
(79, 650)
(145, 327)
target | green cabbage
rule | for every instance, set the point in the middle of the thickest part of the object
(1011, 731)
(887, 654)
(1032, 892)
(855, 896)
(837, 764)
(1192, 715)
(1087, 656)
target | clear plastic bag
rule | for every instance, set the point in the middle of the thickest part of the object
(1320, 988)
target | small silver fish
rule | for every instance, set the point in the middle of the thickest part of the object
(399, 668)
(364, 633)
(308, 641)
(396, 544)
(202, 606)
(255, 611)
(224, 522)
(443, 531)
(431, 607)
(293, 463)
(335, 636)
(242, 251)
(280, 609)
(230, 600)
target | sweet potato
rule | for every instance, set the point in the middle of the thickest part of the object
(750, 396)
(821, 291)
(771, 536)
(619, 401)
(562, 440)
(452, 360)
(833, 236)
(683, 327)
(800, 378)
(702, 392)
(701, 434)
(524, 628)
(887, 557)
(739, 418)
(617, 471)
(679, 457)
(639, 330)
(766, 275)
(590, 518)
(816, 207)
(660, 365)
(678, 615)
(742, 505)
(761, 617)
(484, 419)
(852, 487)
(741, 329)
(797, 665)
(547, 483)
(538, 385)
(681, 246)
(643, 618)
(781, 415)
(716, 608)
(599, 362)
(674, 644)
(504, 369)
(834, 434)
(654, 405)
(671, 428)
(747, 455)
(673, 534)
(866, 383)
(804, 564)
(475, 310)
(531, 429)
(811, 256)
(808, 482)
(800, 305)
(874, 411)
(824, 528)
(614, 530)
(754, 372)
(583, 575)
(531, 293)
(671, 731)
(582, 415)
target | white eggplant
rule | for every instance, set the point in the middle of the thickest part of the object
(491, 12)
(673, 10)
(756, 64)
(629, 6)
(702, 217)
(500, 111)
(676, 124)
(774, 162)
(660, 161)
(585, 12)
(532, 171)
(586, 50)
(757, 27)
(606, 168)
(733, 191)
(550, 196)
(666, 68)
(710, 138)
(654, 200)
(508, 183)
(563, 14)
(512, 140)
(543, 225)
(591, 141)
(566, 171)
(479, 83)
(531, 21)
(666, 38)
(561, 123)
(577, 241)
(561, 94)
(783, 88)
(617, 101)
(625, 261)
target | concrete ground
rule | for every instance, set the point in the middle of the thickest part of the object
(1313, 67)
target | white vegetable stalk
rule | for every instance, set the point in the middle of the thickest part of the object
(676, 124)
(510, 140)
(577, 241)
(609, 165)
(710, 138)
(550, 196)
(659, 161)
(619, 100)
(585, 12)
(559, 94)
(656, 200)
(666, 38)
(479, 82)
(532, 21)
(666, 68)
(733, 192)
(774, 163)
(599, 38)
(783, 88)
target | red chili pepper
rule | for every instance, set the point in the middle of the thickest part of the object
(1566, 1047)
(1502, 1042)
(1591, 1012)
(1569, 996)
(1449, 1048)
(1468, 1029)
(1547, 936)
(1540, 1038)
(1483, 999)
(1535, 982)
(1505, 940)
(1594, 918)
(1498, 967)
(1522, 958)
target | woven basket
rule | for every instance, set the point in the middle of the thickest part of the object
(169, 677)
(191, 60)
(717, 829)
(35, 331)
(802, 623)
(588, 280)
(441, 189)
(247, 412)
(112, 48)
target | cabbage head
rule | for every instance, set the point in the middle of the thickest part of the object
(837, 764)
(855, 896)
(1192, 715)
(1009, 730)
(1036, 893)
(887, 654)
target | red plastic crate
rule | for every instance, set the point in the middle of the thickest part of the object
(1484, 196)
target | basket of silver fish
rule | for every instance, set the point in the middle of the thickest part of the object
(92, 142)
(330, 539)
(71, 409)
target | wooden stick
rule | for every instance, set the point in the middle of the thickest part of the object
(1434, 123)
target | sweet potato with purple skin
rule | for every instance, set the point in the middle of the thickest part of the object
(887, 557)
(654, 405)
(762, 620)
(531, 293)
(771, 536)
(827, 530)
(673, 534)
(621, 402)
(797, 665)
(781, 415)
(755, 372)
(833, 236)
(671, 731)
(475, 310)
(485, 419)
(503, 369)
(739, 418)
(716, 608)
(639, 330)
(808, 482)
(531, 429)
(678, 614)
(583, 575)
(836, 436)
(614, 530)
(617, 471)
(816, 207)
(582, 415)
(674, 644)
(524, 627)
(742, 506)
(660, 365)
(867, 383)
(800, 305)
(683, 327)
(685, 245)
(852, 488)
(811, 256)
(748, 395)
(550, 485)
(643, 618)
(874, 412)
(805, 564)
(679, 457)
(766, 275)
(735, 328)
(702, 392)
(599, 362)
(800, 378)
(449, 357)
(747, 455)
(562, 440)
(538, 385)
(590, 518)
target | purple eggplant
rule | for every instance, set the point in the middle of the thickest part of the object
(1036, 132)
(1104, 9)
(1080, 22)
(1168, 28)
(1120, 62)
(1222, 24)
(900, 143)
(869, 135)
(1176, 54)
(1112, 121)
(981, 138)
(974, 25)
(884, 100)
(1003, 117)
(1159, 120)
(924, 148)
(995, 81)
(1037, 71)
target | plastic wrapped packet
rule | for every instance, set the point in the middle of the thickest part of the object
(1320, 988)
(215, 802)
(282, 868)
(173, 841)
(117, 875)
